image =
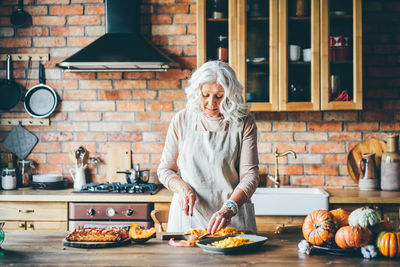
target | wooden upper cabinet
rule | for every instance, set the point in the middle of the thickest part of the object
(217, 31)
(299, 80)
(341, 55)
(290, 55)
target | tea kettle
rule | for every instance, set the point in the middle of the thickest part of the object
(136, 176)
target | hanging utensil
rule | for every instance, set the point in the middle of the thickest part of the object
(20, 18)
(40, 100)
(10, 91)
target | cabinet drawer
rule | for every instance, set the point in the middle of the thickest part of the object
(46, 226)
(14, 225)
(38, 226)
(35, 211)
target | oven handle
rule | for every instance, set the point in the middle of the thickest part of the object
(153, 215)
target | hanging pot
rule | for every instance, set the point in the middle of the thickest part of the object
(20, 18)
(40, 100)
(10, 91)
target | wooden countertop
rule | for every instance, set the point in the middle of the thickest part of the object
(67, 195)
(45, 248)
(354, 195)
(26, 194)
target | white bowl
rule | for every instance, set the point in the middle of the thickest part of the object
(45, 178)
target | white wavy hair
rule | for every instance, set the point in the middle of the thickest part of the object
(232, 106)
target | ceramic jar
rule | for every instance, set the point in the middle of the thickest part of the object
(369, 179)
(390, 165)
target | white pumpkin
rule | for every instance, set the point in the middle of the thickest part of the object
(364, 217)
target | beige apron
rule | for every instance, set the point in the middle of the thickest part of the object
(209, 163)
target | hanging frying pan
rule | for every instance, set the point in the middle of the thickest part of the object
(20, 18)
(40, 100)
(10, 91)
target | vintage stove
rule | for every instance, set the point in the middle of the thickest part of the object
(83, 214)
(116, 187)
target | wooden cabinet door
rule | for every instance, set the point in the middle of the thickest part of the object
(209, 28)
(257, 59)
(299, 77)
(341, 55)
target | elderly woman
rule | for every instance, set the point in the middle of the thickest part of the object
(210, 158)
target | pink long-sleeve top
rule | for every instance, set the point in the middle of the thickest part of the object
(248, 165)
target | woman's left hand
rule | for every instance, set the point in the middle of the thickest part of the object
(220, 219)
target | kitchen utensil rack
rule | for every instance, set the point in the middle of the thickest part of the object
(25, 57)
(26, 122)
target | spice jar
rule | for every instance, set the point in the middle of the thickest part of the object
(222, 48)
(390, 165)
(219, 9)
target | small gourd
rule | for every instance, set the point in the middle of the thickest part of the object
(369, 251)
(365, 217)
(388, 244)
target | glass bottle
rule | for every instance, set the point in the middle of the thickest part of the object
(222, 48)
(25, 170)
(390, 165)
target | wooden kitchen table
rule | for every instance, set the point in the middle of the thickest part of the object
(45, 248)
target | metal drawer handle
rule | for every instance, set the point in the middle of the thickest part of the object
(21, 225)
(26, 211)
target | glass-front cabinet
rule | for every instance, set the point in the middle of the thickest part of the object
(290, 55)
(299, 80)
(341, 54)
(216, 31)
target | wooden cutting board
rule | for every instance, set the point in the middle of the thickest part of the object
(367, 146)
(76, 244)
(118, 159)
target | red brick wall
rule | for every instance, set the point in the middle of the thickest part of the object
(133, 110)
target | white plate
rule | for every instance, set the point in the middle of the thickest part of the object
(258, 241)
(45, 178)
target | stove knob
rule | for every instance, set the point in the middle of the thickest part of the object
(91, 211)
(129, 212)
(110, 212)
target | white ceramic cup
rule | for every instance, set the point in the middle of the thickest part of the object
(294, 52)
(307, 55)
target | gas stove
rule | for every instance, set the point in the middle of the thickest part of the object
(116, 187)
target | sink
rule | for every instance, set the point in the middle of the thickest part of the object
(289, 200)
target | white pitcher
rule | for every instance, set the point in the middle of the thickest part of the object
(79, 177)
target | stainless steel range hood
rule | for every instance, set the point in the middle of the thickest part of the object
(122, 48)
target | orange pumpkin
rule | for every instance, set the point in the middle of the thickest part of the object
(353, 237)
(342, 216)
(388, 244)
(319, 227)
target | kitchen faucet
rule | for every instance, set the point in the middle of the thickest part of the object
(276, 180)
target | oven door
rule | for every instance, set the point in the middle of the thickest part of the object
(100, 214)
(72, 225)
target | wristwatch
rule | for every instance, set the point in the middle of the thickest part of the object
(230, 204)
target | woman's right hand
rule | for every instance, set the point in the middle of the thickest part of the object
(186, 194)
